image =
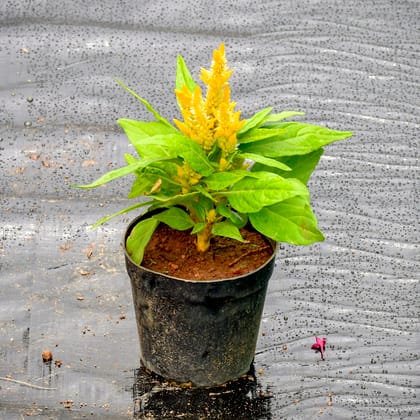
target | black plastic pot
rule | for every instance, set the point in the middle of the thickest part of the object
(203, 332)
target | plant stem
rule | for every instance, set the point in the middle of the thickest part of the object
(203, 239)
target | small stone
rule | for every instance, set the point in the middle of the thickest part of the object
(67, 403)
(47, 356)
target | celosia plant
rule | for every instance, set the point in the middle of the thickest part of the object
(214, 172)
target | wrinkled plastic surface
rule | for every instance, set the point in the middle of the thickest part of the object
(349, 65)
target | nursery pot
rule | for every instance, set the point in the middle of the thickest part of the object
(204, 332)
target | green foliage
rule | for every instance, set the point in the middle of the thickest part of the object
(183, 75)
(176, 218)
(140, 237)
(291, 221)
(263, 181)
(296, 138)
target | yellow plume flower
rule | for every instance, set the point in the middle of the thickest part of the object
(186, 177)
(211, 121)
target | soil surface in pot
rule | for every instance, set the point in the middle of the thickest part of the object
(174, 253)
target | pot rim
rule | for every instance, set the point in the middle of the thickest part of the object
(134, 221)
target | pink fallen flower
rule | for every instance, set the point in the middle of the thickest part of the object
(320, 345)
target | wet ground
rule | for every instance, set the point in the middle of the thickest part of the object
(350, 65)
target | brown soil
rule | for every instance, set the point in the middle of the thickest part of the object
(174, 253)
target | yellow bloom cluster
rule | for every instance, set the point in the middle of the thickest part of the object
(211, 121)
(186, 177)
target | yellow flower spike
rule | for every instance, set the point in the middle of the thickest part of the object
(217, 81)
(184, 128)
(211, 120)
(186, 177)
(211, 216)
(184, 97)
(223, 163)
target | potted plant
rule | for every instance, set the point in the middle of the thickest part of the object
(213, 183)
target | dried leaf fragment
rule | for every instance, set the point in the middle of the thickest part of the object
(33, 156)
(89, 162)
(66, 246)
(89, 250)
(47, 164)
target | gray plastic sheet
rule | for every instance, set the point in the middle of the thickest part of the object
(349, 65)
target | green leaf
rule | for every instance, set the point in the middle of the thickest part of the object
(172, 144)
(139, 238)
(193, 154)
(282, 116)
(290, 221)
(250, 131)
(220, 180)
(256, 120)
(257, 134)
(227, 229)
(111, 175)
(141, 185)
(204, 192)
(238, 219)
(298, 139)
(272, 163)
(183, 75)
(252, 194)
(180, 199)
(146, 128)
(143, 135)
(198, 227)
(199, 206)
(130, 159)
(145, 103)
(301, 166)
(150, 139)
(175, 218)
(118, 213)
